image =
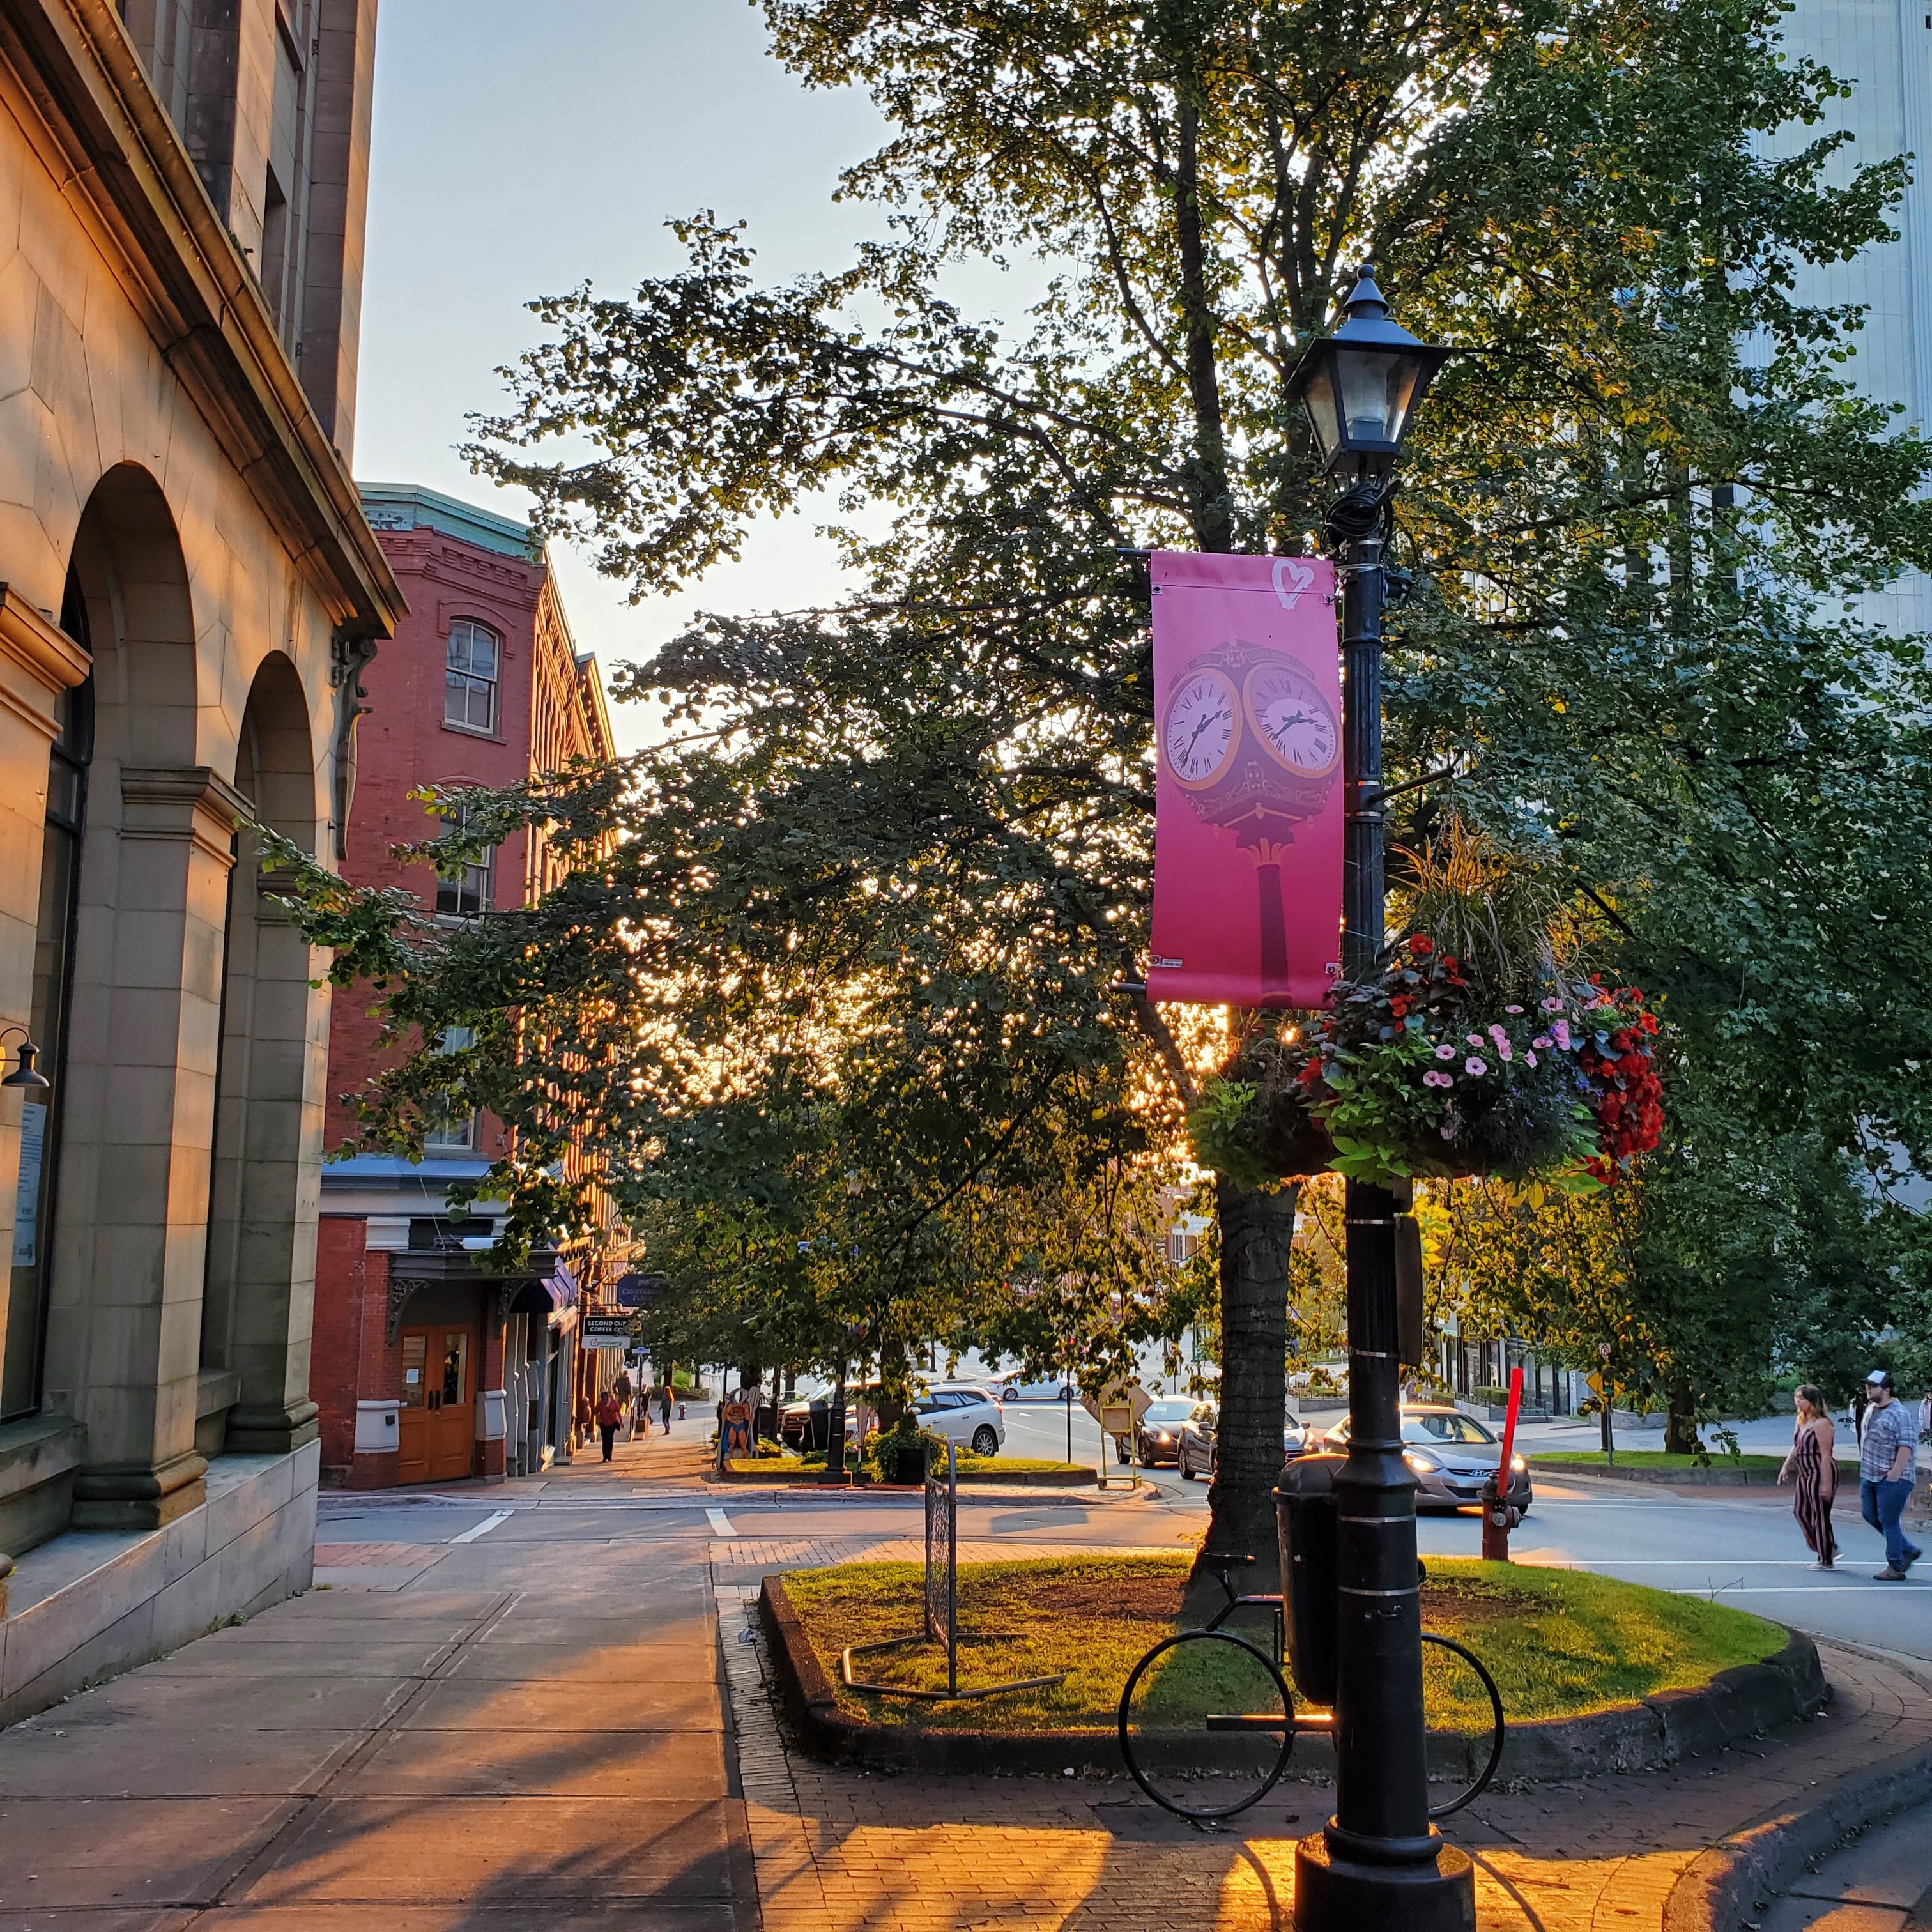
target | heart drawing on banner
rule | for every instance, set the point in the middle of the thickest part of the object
(1289, 571)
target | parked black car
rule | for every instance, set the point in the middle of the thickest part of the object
(1196, 1450)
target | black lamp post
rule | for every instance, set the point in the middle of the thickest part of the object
(1378, 1863)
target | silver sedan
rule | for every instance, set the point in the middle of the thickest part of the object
(1450, 1455)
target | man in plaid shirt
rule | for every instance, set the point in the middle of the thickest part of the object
(1888, 1455)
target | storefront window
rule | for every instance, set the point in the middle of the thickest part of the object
(35, 1192)
(415, 1352)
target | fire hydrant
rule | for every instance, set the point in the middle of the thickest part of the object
(1499, 1518)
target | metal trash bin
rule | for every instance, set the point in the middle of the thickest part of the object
(1304, 1514)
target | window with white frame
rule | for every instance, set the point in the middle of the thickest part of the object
(445, 1131)
(465, 892)
(474, 665)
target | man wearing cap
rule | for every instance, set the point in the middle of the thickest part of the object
(1887, 1453)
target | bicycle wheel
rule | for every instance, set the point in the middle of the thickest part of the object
(1463, 1712)
(1206, 1724)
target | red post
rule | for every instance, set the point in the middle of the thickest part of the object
(1495, 1505)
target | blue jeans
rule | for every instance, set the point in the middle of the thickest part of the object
(1881, 1504)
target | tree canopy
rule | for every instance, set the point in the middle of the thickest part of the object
(834, 961)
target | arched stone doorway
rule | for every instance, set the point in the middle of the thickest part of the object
(123, 1325)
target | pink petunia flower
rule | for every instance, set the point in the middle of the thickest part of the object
(1541, 1042)
(1503, 1048)
(1473, 1065)
(1432, 1078)
(1529, 1059)
(1475, 1039)
(1445, 1053)
(1497, 1034)
(1562, 1031)
(1512, 1010)
(1552, 1005)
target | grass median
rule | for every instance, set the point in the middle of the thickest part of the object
(1561, 1643)
(985, 1467)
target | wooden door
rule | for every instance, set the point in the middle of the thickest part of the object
(438, 1423)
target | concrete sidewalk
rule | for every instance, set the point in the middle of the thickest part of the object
(529, 1733)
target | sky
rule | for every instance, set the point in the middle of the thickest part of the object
(519, 150)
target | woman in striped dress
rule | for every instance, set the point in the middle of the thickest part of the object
(1811, 1464)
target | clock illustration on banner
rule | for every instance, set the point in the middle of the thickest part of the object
(1292, 719)
(1254, 743)
(1202, 727)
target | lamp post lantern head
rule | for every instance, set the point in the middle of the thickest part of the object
(1360, 386)
(25, 1074)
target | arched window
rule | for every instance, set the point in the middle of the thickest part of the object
(53, 955)
(474, 665)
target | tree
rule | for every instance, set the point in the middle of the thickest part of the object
(901, 848)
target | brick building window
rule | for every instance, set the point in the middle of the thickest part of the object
(445, 1130)
(475, 663)
(466, 893)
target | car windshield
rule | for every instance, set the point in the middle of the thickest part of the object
(1167, 1411)
(1444, 1426)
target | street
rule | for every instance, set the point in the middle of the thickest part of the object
(1739, 1545)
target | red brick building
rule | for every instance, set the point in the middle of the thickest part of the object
(426, 1368)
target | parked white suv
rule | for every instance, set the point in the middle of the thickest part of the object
(969, 1417)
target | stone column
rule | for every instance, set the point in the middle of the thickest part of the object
(132, 1226)
(262, 1250)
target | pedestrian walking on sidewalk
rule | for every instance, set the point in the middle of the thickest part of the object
(1889, 1455)
(1812, 1466)
(610, 1413)
(640, 1413)
(621, 1388)
(664, 1407)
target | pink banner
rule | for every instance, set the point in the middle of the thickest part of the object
(1248, 805)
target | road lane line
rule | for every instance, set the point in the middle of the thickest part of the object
(721, 1523)
(484, 1528)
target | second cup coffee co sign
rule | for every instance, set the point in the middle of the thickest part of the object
(607, 1331)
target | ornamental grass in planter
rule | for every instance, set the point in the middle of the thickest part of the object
(1473, 1051)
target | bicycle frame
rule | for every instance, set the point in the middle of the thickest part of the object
(1305, 1718)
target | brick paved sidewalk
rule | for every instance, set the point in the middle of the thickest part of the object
(839, 1850)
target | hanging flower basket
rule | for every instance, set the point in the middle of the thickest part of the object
(1424, 1073)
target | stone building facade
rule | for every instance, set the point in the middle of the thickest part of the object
(429, 1367)
(189, 590)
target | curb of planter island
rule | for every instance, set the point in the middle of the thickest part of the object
(1722, 1888)
(1715, 1477)
(1736, 1704)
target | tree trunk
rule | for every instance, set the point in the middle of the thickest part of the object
(1257, 1230)
(1680, 1422)
(895, 1382)
(1213, 510)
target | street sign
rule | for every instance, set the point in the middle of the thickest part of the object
(642, 1290)
(1593, 1382)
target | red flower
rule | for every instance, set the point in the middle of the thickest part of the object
(1648, 1022)
(1424, 945)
